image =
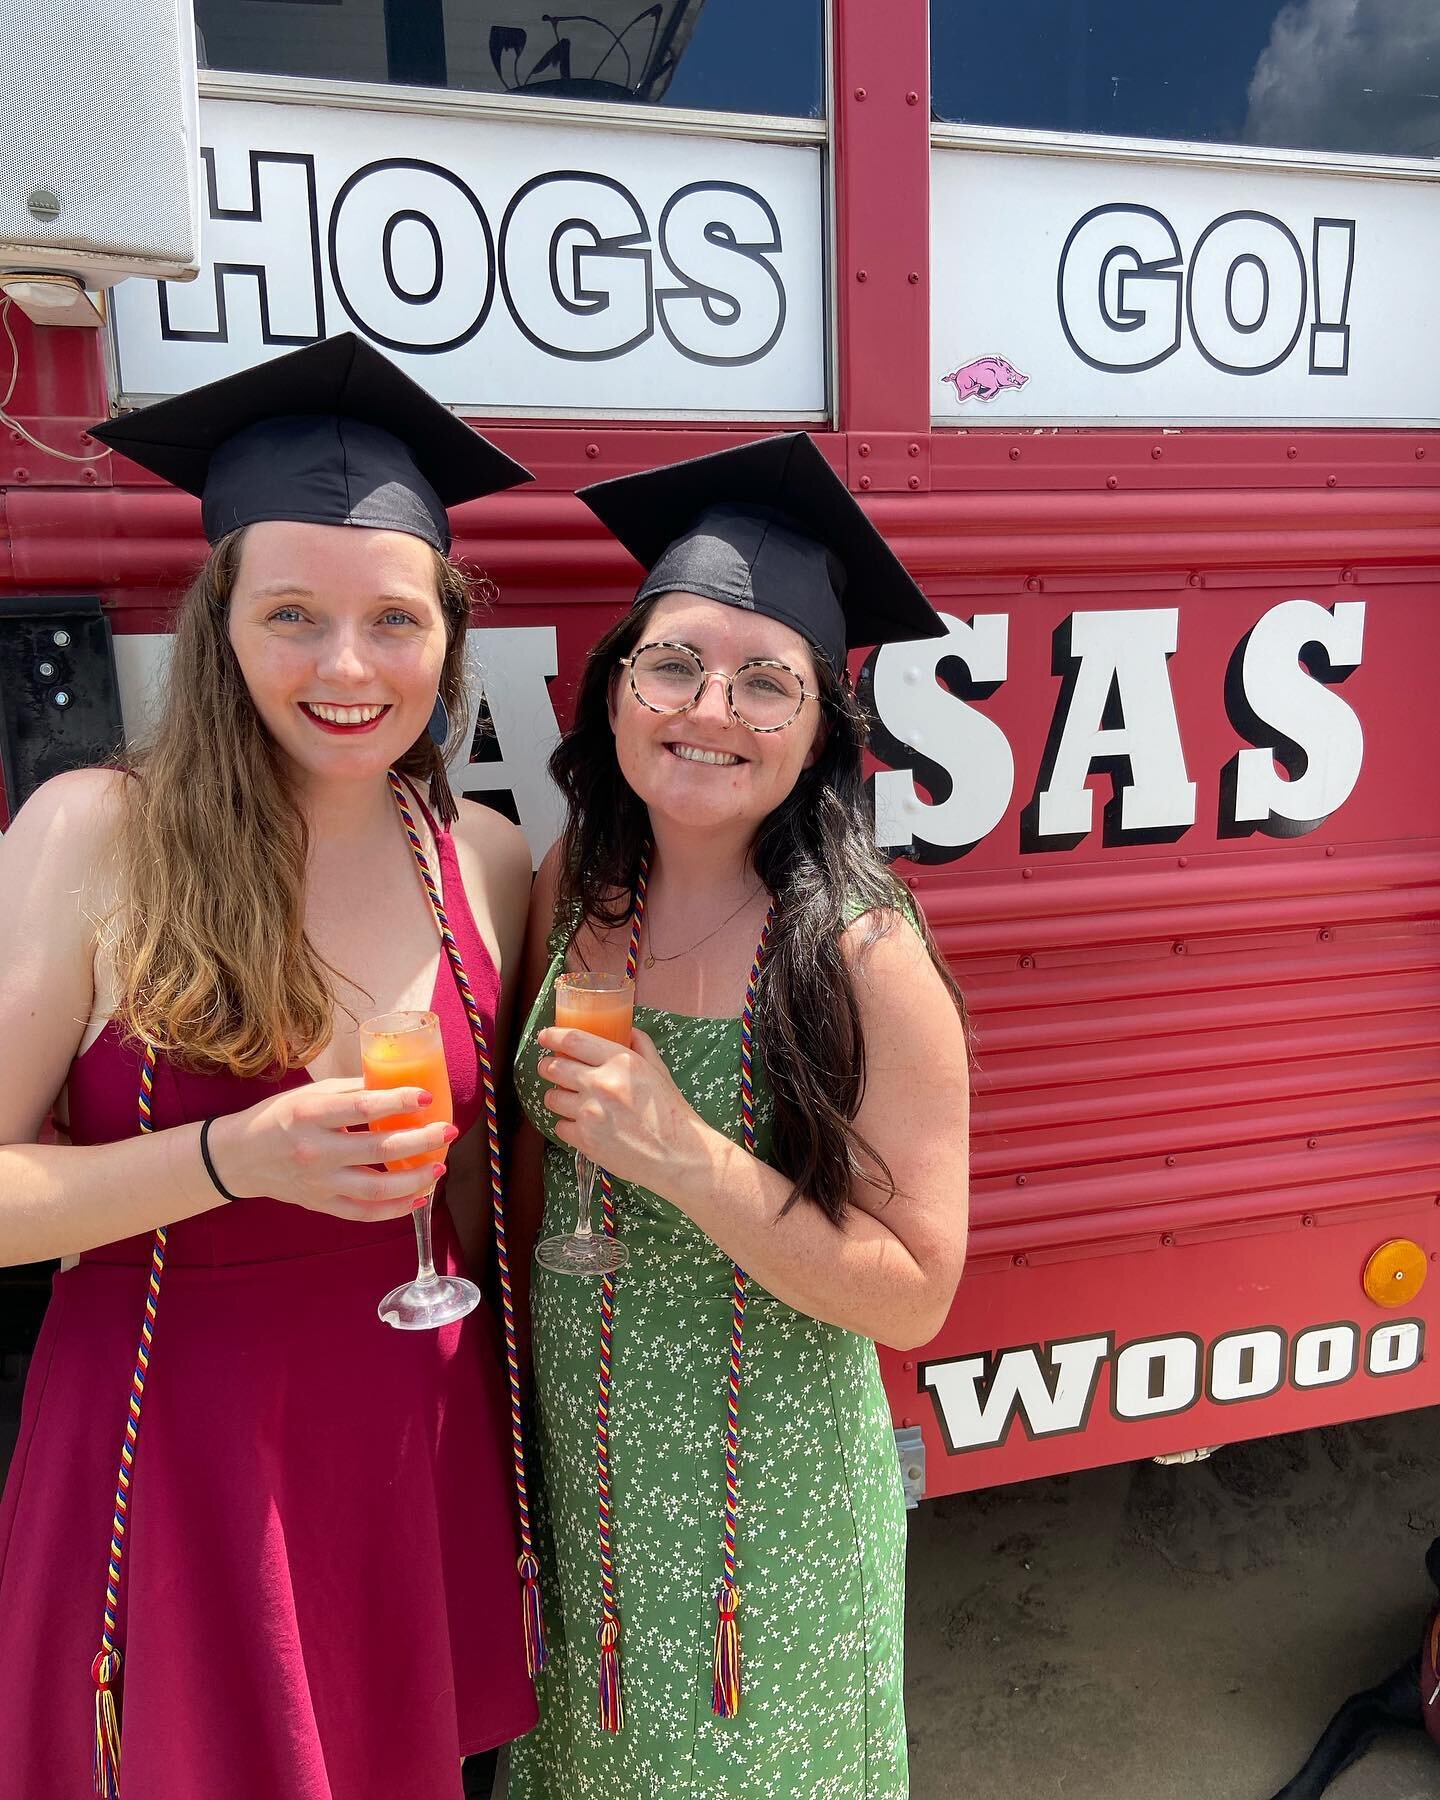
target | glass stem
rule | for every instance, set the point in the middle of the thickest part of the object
(585, 1183)
(425, 1275)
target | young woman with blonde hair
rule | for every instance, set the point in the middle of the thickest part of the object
(311, 1590)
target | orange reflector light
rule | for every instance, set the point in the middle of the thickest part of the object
(1395, 1273)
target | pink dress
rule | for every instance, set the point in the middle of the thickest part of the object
(320, 1599)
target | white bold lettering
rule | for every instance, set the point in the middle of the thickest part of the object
(1278, 698)
(922, 720)
(507, 670)
(1247, 1365)
(717, 240)
(422, 229)
(1324, 1355)
(575, 266)
(1156, 1376)
(1393, 1349)
(262, 254)
(1049, 1398)
(1120, 280)
(1116, 707)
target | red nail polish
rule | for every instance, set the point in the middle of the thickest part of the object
(426, 1099)
(439, 1170)
(451, 1133)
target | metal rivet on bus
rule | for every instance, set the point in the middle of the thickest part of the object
(1312, 1143)
(859, 93)
(1021, 1262)
(913, 278)
(1032, 583)
(1347, 574)
(1179, 947)
(1112, 481)
(864, 481)
(1020, 1182)
(862, 274)
(912, 98)
(1027, 962)
(1026, 873)
(907, 1365)
(1325, 935)
(15, 438)
(61, 698)
(1330, 481)
(1014, 456)
(1420, 453)
(1307, 1218)
(864, 449)
(1167, 1238)
(1169, 1162)
(914, 481)
(1183, 861)
(913, 883)
(1194, 578)
(47, 671)
(592, 450)
(1156, 452)
(60, 639)
(912, 449)
(22, 474)
(1292, 452)
(1329, 849)
(907, 1422)
(88, 475)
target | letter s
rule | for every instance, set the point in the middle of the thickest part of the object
(918, 693)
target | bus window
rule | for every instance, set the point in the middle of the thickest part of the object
(1362, 76)
(747, 56)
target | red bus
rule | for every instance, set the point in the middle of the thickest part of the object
(1120, 327)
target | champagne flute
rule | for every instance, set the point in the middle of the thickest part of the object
(398, 1050)
(603, 1005)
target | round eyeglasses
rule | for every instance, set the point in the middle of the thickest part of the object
(762, 694)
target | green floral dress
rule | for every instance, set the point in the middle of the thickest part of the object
(821, 1527)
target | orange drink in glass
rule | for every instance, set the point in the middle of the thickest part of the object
(603, 1005)
(405, 1050)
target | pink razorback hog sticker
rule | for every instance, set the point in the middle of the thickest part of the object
(984, 378)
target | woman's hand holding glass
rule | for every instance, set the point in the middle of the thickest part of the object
(620, 1107)
(312, 1146)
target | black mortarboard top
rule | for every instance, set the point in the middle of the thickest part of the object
(333, 434)
(769, 527)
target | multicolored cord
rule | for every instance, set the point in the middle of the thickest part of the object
(725, 1699)
(536, 1651)
(105, 1670)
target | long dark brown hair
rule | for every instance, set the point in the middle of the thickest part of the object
(816, 854)
(209, 944)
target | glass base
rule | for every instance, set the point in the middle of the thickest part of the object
(426, 1305)
(573, 1254)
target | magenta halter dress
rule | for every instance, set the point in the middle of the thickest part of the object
(320, 1599)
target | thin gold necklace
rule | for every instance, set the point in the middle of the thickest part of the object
(651, 958)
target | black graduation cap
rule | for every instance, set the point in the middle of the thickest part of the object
(769, 527)
(333, 434)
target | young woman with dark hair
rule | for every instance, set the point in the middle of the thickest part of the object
(784, 1147)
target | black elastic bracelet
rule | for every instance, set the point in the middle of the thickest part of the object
(215, 1181)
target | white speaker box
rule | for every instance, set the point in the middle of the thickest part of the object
(99, 139)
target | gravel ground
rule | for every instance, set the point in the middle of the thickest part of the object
(1146, 1633)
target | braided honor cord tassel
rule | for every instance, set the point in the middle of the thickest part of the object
(105, 1670)
(611, 1700)
(725, 1699)
(536, 1651)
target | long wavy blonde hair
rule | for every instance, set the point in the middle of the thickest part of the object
(209, 945)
